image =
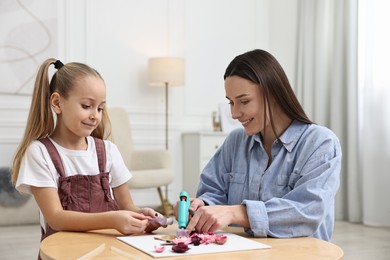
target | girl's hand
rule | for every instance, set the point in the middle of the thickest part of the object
(156, 219)
(147, 212)
(129, 222)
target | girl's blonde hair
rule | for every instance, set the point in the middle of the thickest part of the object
(40, 122)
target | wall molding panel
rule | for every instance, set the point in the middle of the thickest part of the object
(118, 37)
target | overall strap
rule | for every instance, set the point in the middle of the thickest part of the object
(54, 155)
(101, 154)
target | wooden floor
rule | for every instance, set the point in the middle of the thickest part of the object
(357, 241)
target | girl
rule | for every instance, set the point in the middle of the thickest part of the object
(78, 180)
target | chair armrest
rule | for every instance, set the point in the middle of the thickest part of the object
(150, 159)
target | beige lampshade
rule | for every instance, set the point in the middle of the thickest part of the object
(164, 70)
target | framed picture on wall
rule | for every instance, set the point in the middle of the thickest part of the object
(28, 36)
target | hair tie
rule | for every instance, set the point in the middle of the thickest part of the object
(58, 64)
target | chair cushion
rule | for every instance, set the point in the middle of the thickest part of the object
(150, 178)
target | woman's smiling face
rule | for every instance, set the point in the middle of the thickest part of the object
(246, 103)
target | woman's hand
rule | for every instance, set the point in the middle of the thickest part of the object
(209, 219)
(212, 218)
(195, 204)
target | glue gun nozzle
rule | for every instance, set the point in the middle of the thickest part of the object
(181, 232)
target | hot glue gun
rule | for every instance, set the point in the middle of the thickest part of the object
(183, 213)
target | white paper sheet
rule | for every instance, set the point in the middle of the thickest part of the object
(234, 243)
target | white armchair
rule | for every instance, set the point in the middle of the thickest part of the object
(150, 168)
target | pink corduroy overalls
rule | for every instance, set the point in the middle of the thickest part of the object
(83, 193)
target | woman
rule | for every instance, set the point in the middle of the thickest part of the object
(279, 174)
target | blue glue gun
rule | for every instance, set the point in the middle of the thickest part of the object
(183, 210)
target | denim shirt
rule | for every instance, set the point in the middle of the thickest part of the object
(294, 196)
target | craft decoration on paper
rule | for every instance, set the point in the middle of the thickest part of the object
(180, 243)
(163, 221)
(161, 246)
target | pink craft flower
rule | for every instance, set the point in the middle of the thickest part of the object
(163, 221)
(159, 249)
(180, 247)
(185, 240)
(195, 240)
(181, 243)
(206, 238)
(220, 239)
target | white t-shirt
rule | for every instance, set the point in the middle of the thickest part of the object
(37, 168)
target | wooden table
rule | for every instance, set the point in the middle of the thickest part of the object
(103, 244)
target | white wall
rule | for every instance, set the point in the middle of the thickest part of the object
(117, 37)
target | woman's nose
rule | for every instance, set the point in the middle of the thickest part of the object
(235, 112)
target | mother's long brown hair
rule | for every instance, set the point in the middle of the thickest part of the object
(261, 68)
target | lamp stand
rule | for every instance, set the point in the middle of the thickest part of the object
(166, 207)
(166, 116)
(166, 71)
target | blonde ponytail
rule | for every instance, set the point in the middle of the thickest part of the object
(40, 122)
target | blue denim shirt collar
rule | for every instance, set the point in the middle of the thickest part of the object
(289, 138)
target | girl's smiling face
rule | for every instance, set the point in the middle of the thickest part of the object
(246, 103)
(81, 112)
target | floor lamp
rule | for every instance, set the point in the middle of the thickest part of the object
(166, 72)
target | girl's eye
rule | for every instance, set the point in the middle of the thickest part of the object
(244, 102)
(85, 106)
(100, 109)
